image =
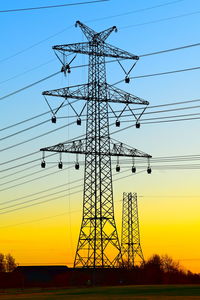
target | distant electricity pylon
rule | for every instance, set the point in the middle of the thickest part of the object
(130, 238)
(98, 244)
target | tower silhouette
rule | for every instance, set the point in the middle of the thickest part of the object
(130, 238)
(98, 243)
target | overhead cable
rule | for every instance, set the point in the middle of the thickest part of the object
(59, 197)
(88, 21)
(162, 20)
(51, 6)
(135, 109)
(36, 137)
(134, 77)
(109, 61)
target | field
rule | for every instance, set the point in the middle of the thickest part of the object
(162, 292)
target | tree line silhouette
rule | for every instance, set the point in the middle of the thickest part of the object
(7, 263)
(156, 270)
(163, 270)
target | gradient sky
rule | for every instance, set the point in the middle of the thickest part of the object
(169, 203)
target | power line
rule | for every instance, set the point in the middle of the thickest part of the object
(24, 156)
(145, 113)
(110, 61)
(28, 168)
(159, 112)
(160, 118)
(37, 220)
(34, 194)
(156, 112)
(166, 159)
(17, 172)
(41, 197)
(169, 72)
(170, 50)
(27, 71)
(133, 125)
(169, 121)
(162, 20)
(41, 202)
(153, 160)
(149, 107)
(158, 74)
(36, 44)
(23, 130)
(178, 167)
(155, 122)
(135, 11)
(31, 180)
(36, 137)
(24, 164)
(94, 20)
(50, 6)
(20, 157)
(134, 77)
(119, 130)
(64, 195)
(25, 176)
(169, 110)
(36, 152)
(55, 198)
(163, 167)
(26, 120)
(41, 192)
(36, 116)
(141, 76)
(75, 211)
(29, 85)
(175, 103)
(122, 116)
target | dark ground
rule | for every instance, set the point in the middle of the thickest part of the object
(145, 292)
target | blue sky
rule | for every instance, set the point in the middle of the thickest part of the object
(24, 29)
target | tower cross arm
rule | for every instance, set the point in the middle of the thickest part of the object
(75, 48)
(75, 92)
(81, 92)
(76, 146)
(107, 50)
(112, 51)
(79, 147)
(121, 149)
(119, 96)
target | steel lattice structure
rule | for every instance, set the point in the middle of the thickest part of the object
(130, 238)
(98, 244)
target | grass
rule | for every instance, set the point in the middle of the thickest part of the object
(145, 292)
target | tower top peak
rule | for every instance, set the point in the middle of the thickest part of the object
(94, 36)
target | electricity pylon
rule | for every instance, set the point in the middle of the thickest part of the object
(98, 244)
(130, 238)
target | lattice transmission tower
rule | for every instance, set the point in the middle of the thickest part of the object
(98, 243)
(130, 238)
